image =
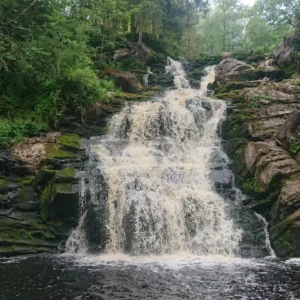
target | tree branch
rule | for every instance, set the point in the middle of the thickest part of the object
(25, 10)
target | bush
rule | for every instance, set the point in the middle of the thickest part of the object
(295, 147)
(297, 82)
(15, 130)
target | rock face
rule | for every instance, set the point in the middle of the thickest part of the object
(139, 50)
(126, 80)
(289, 133)
(284, 52)
(39, 194)
(231, 69)
(262, 130)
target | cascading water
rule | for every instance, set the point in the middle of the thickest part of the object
(267, 235)
(176, 69)
(155, 162)
(146, 76)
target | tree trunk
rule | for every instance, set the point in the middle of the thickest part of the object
(141, 25)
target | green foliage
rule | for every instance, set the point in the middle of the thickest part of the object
(295, 147)
(51, 52)
(14, 130)
(255, 100)
(297, 82)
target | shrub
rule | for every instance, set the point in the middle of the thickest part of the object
(295, 147)
(15, 130)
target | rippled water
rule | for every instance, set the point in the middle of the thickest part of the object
(121, 277)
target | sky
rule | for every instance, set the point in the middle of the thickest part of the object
(249, 2)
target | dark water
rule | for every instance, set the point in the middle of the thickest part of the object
(63, 278)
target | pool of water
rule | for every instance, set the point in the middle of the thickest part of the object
(121, 277)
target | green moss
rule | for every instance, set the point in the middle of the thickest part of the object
(47, 197)
(49, 194)
(70, 142)
(61, 154)
(26, 181)
(63, 188)
(2, 182)
(285, 237)
(247, 186)
(43, 177)
(67, 173)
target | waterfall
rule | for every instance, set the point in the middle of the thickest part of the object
(267, 235)
(209, 78)
(176, 69)
(155, 166)
(146, 76)
(77, 239)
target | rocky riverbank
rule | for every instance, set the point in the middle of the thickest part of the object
(262, 130)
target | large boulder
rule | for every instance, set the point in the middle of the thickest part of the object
(268, 64)
(284, 52)
(126, 80)
(230, 69)
(138, 50)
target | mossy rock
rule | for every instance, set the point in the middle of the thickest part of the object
(43, 177)
(70, 142)
(66, 175)
(25, 181)
(63, 155)
(11, 237)
(239, 85)
(285, 239)
(26, 200)
(7, 185)
(58, 201)
(67, 148)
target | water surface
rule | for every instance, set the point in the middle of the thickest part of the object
(121, 277)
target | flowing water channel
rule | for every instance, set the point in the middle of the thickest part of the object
(154, 223)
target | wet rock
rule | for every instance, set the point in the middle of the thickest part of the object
(39, 195)
(253, 243)
(222, 179)
(262, 125)
(195, 84)
(195, 104)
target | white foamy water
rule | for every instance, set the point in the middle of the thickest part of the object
(209, 78)
(156, 165)
(268, 242)
(176, 69)
(77, 242)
